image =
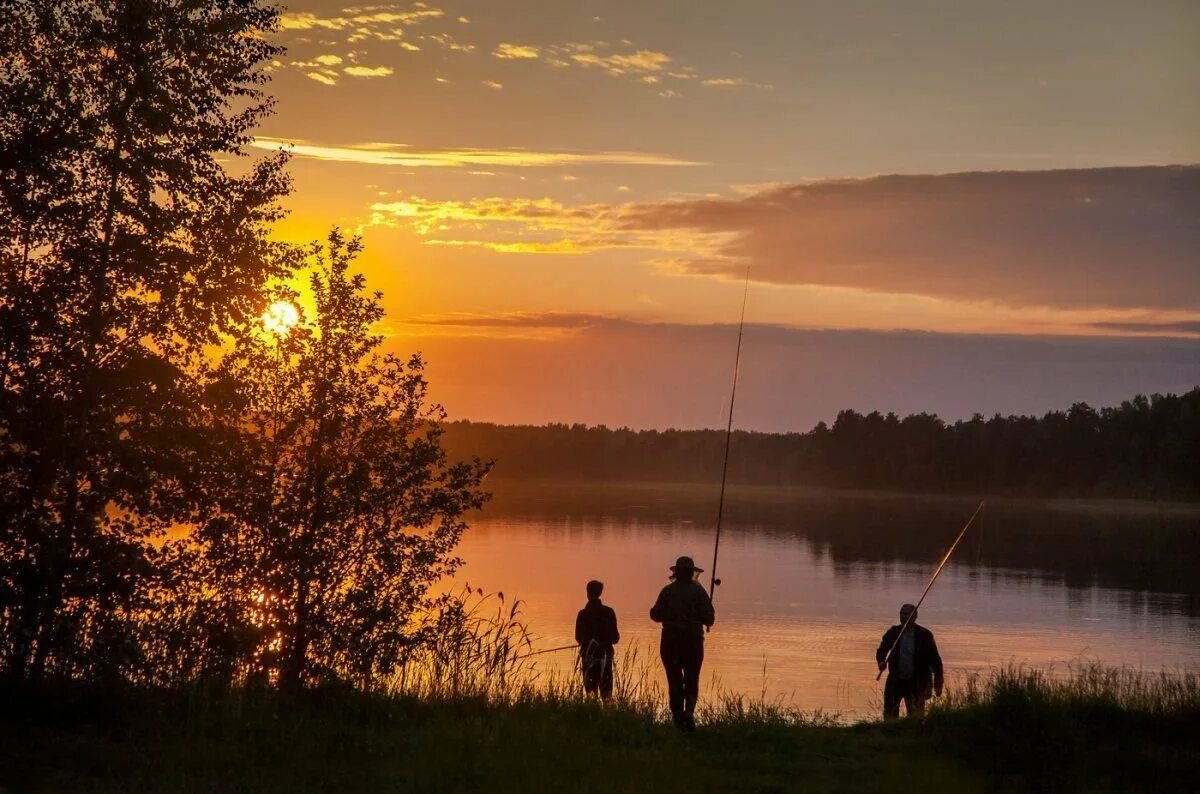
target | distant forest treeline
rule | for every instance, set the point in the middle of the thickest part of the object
(1147, 447)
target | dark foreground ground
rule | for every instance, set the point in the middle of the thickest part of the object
(70, 737)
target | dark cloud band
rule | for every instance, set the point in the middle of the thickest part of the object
(1102, 237)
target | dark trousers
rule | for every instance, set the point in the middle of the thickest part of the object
(913, 691)
(597, 667)
(682, 655)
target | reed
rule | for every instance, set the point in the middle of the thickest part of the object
(1082, 684)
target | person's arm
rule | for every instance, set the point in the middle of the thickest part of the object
(935, 662)
(614, 636)
(707, 615)
(884, 646)
(579, 629)
(658, 612)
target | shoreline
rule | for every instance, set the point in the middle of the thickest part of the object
(1103, 730)
(507, 487)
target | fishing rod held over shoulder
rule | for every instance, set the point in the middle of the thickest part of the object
(737, 365)
(936, 572)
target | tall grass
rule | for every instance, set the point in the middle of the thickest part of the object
(1087, 684)
(1083, 726)
(475, 711)
(479, 647)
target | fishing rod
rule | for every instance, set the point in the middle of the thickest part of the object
(737, 365)
(547, 650)
(932, 579)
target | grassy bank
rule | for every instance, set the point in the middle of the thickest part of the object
(1018, 730)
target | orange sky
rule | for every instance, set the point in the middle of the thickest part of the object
(548, 190)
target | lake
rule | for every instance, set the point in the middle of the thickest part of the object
(812, 579)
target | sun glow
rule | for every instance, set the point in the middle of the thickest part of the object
(280, 317)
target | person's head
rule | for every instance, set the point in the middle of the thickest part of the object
(685, 570)
(594, 589)
(906, 610)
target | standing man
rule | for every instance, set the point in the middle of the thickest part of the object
(596, 632)
(914, 668)
(684, 610)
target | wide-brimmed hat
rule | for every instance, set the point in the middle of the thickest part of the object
(686, 564)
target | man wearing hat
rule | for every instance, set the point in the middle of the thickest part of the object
(684, 610)
(914, 668)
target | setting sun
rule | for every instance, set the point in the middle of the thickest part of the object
(280, 317)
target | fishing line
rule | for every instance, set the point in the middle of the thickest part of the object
(979, 545)
(737, 366)
(937, 571)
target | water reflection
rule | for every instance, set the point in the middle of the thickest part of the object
(1131, 546)
(812, 581)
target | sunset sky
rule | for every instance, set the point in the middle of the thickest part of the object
(944, 206)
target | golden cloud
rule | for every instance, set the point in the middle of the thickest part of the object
(622, 63)
(391, 154)
(534, 226)
(360, 18)
(368, 71)
(516, 51)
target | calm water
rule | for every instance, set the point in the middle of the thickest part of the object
(811, 580)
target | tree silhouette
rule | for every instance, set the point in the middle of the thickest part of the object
(333, 506)
(127, 247)
(1146, 447)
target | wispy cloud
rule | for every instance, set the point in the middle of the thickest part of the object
(448, 42)
(368, 71)
(511, 320)
(1152, 328)
(397, 25)
(368, 21)
(533, 326)
(393, 154)
(328, 69)
(623, 59)
(530, 226)
(507, 51)
(618, 64)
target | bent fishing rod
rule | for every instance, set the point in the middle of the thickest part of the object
(737, 365)
(936, 572)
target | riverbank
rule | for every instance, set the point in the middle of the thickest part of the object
(1103, 730)
(514, 494)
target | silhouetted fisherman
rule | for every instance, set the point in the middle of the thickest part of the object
(914, 668)
(596, 632)
(684, 610)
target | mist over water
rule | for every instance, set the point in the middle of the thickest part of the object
(811, 579)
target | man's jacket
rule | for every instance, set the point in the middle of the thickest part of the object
(927, 663)
(684, 607)
(596, 629)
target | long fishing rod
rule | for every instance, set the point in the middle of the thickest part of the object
(547, 650)
(737, 365)
(936, 572)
